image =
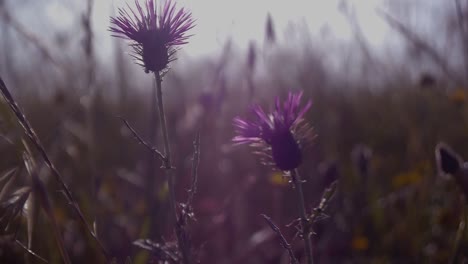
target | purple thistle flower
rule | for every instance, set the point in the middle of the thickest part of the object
(155, 36)
(280, 134)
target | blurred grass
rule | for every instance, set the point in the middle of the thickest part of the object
(401, 212)
(398, 211)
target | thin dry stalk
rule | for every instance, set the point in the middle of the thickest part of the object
(32, 253)
(283, 242)
(142, 141)
(40, 192)
(187, 208)
(422, 45)
(324, 202)
(459, 236)
(91, 106)
(305, 222)
(29, 36)
(33, 202)
(463, 34)
(350, 15)
(195, 163)
(31, 134)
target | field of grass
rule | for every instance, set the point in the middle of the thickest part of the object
(391, 203)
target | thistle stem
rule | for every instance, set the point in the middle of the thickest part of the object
(305, 223)
(151, 166)
(180, 233)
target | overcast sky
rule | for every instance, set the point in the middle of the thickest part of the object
(217, 20)
(241, 20)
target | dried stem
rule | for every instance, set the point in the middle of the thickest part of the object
(305, 222)
(142, 141)
(421, 44)
(179, 229)
(326, 198)
(350, 14)
(187, 208)
(29, 36)
(40, 192)
(463, 34)
(195, 163)
(459, 235)
(284, 243)
(31, 134)
(30, 251)
(151, 167)
(90, 108)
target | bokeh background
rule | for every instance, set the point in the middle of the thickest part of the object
(388, 81)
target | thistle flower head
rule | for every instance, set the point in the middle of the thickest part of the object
(361, 156)
(154, 35)
(270, 35)
(448, 161)
(251, 56)
(280, 134)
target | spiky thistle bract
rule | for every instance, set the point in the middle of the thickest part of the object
(280, 135)
(154, 35)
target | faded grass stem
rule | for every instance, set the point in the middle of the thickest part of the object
(90, 109)
(459, 236)
(30, 37)
(305, 223)
(284, 243)
(30, 251)
(421, 44)
(195, 163)
(39, 191)
(135, 134)
(463, 34)
(31, 134)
